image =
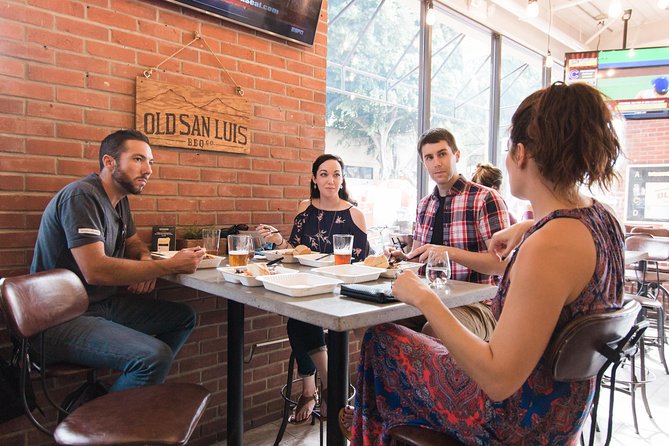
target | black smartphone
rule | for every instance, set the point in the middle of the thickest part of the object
(380, 294)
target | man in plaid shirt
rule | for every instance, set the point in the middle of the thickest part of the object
(459, 216)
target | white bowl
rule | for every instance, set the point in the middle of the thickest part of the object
(209, 261)
(298, 284)
(391, 273)
(235, 274)
(316, 259)
(354, 273)
(287, 255)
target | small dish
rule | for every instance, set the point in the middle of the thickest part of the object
(354, 273)
(208, 261)
(234, 274)
(316, 259)
(287, 255)
(391, 273)
(299, 284)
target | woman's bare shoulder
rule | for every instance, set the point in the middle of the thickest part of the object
(304, 204)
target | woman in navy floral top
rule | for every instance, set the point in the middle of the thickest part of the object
(328, 211)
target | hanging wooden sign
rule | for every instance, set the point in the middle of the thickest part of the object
(182, 116)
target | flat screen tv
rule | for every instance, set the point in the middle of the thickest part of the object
(295, 20)
(635, 80)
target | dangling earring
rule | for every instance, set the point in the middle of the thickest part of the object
(341, 187)
(315, 187)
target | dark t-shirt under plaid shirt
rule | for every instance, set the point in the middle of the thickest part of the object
(472, 214)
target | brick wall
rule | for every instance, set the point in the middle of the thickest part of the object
(67, 79)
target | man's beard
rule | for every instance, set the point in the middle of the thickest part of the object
(123, 180)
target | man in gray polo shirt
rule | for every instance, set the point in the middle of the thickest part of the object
(88, 228)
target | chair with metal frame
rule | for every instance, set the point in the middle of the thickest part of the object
(160, 414)
(651, 293)
(585, 348)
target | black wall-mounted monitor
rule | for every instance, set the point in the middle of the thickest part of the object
(636, 80)
(295, 20)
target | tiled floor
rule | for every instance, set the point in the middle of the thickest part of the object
(653, 431)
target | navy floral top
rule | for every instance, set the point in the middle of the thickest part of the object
(314, 228)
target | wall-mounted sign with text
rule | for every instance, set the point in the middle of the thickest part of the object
(182, 116)
(647, 193)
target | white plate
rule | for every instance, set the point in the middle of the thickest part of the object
(311, 259)
(231, 274)
(354, 273)
(209, 261)
(391, 273)
(287, 255)
(298, 284)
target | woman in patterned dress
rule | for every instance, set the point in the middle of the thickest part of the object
(569, 263)
(328, 211)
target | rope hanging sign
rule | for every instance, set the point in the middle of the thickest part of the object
(182, 116)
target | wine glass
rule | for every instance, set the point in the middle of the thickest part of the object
(438, 269)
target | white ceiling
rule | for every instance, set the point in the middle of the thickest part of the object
(586, 23)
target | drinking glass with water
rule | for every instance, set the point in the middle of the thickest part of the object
(438, 269)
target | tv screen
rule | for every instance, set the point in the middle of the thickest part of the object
(635, 80)
(295, 20)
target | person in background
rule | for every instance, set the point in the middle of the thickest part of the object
(88, 228)
(459, 216)
(569, 263)
(490, 176)
(329, 210)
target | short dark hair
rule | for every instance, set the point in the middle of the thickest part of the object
(435, 135)
(313, 188)
(567, 130)
(114, 144)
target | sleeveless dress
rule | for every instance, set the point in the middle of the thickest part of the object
(408, 378)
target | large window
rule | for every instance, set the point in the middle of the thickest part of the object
(372, 116)
(460, 87)
(372, 104)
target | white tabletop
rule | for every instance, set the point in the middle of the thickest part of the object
(330, 310)
(635, 256)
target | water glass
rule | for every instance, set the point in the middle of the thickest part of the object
(343, 248)
(211, 239)
(438, 269)
(239, 248)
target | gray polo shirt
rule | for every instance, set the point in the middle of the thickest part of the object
(81, 213)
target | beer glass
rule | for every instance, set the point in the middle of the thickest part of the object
(239, 247)
(211, 239)
(343, 248)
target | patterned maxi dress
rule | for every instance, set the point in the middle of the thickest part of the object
(408, 378)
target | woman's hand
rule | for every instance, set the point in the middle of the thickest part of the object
(270, 234)
(506, 240)
(412, 290)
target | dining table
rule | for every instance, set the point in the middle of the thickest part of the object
(331, 311)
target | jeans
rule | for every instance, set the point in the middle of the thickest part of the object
(305, 340)
(136, 335)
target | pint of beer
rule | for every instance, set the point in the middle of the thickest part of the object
(343, 248)
(239, 247)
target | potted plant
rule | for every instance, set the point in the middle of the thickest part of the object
(192, 237)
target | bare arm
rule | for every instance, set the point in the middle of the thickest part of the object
(99, 269)
(483, 262)
(136, 249)
(540, 285)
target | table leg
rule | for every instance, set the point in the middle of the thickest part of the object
(235, 415)
(337, 384)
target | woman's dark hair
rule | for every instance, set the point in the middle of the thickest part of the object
(567, 131)
(313, 188)
(113, 144)
(488, 175)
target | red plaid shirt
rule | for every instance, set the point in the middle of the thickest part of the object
(472, 214)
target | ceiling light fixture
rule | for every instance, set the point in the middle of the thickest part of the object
(548, 60)
(429, 16)
(615, 9)
(532, 9)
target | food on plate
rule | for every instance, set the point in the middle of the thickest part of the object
(257, 269)
(301, 250)
(379, 261)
